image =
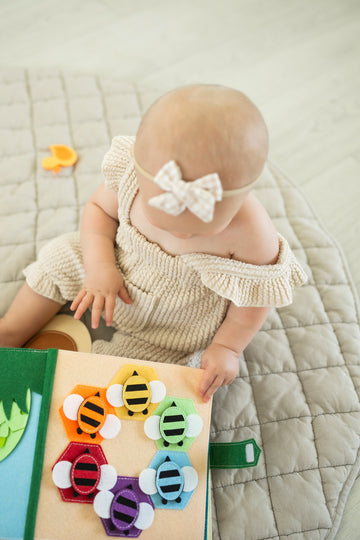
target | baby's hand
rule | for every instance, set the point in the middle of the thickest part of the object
(101, 287)
(221, 366)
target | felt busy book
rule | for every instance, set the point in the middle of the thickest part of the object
(98, 446)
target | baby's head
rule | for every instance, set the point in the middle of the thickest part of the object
(205, 129)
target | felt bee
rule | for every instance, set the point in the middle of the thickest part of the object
(173, 426)
(91, 415)
(80, 479)
(85, 475)
(124, 509)
(168, 481)
(136, 394)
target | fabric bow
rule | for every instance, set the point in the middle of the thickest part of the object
(198, 196)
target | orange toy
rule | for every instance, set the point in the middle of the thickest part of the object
(62, 156)
(87, 416)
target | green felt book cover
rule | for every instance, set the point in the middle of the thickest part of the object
(26, 379)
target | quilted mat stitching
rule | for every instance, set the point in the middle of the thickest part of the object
(333, 325)
(260, 442)
(294, 356)
(34, 167)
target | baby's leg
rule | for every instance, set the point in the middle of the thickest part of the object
(28, 313)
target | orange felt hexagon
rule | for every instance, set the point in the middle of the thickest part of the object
(87, 415)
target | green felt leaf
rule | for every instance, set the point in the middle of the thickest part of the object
(16, 426)
(4, 430)
(20, 369)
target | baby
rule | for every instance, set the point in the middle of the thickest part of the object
(174, 248)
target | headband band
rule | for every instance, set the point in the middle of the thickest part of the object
(199, 195)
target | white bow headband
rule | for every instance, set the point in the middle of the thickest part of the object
(199, 196)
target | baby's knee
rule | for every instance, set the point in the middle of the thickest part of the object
(8, 334)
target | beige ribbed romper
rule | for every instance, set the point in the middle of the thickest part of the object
(178, 301)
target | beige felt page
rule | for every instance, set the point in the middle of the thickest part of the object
(130, 452)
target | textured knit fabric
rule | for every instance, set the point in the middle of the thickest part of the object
(180, 301)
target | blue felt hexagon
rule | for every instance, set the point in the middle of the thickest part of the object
(170, 480)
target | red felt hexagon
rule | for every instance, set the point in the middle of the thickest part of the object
(85, 471)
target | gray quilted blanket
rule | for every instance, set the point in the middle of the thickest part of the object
(297, 393)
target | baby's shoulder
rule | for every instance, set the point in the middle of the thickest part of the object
(254, 238)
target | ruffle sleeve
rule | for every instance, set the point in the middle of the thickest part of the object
(251, 285)
(116, 161)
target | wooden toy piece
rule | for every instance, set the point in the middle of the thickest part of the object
(62, 332)
(62, 156)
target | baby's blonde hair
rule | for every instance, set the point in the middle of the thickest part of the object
(205, 129)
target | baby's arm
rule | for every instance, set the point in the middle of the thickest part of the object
(103, 282)
(220, 360)
(256, 243)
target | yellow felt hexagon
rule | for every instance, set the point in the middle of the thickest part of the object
(135, 392)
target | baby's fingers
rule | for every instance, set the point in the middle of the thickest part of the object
(209, 385)
(109, 309)
(81, 303)
(124, 295)
(97, 307)
(77, 300)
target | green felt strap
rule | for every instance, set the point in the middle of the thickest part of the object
(234, 455)
(48, 364)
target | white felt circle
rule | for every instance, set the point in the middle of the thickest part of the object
(191, 478)
(114, 395)
(102, 504)
(194, 425)
(61, 474)
(108, 478)
(152, 427)
(145, 517)
(147, 481)
(158, 391)
(111, 427)
(71, 406)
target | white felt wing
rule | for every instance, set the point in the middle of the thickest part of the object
(111, 427)
(158, 391)
(191, 478)
(61, 474)
(102, 504)
(147, 481)
(152, 427)
(108, 478)
(145, 517)
(71, 406)
(114, 395)
(194, 425)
